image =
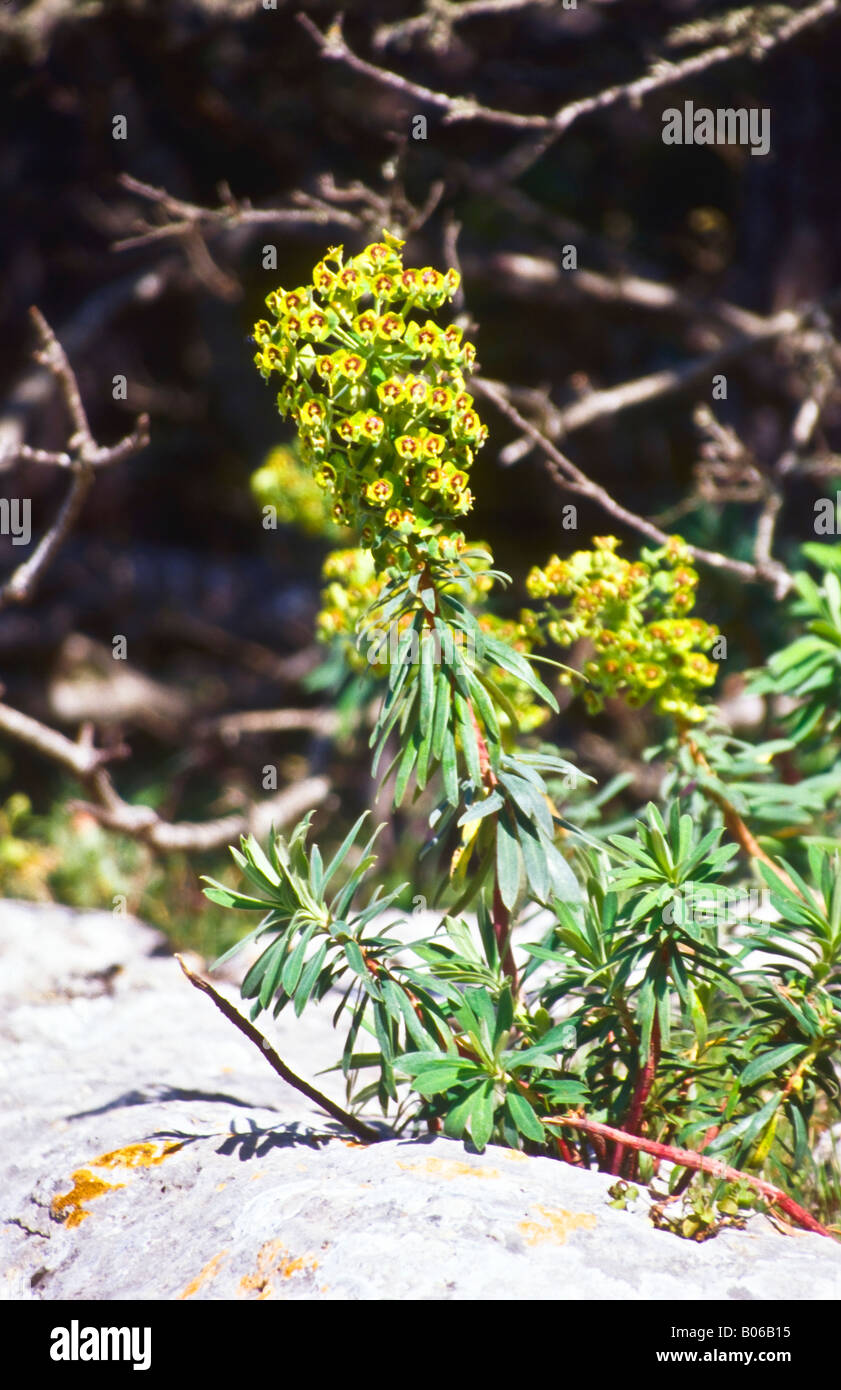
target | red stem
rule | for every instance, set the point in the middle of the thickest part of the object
(502, 932)
(566, 1153)
(687, 1159)
(642, 1091)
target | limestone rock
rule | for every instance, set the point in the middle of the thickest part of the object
(148, 1152)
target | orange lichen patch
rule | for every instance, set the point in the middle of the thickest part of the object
(274, 1263)
(448, 1168)
(516, 1156)
(69, 1206)
(209, 1272)
(137, 1155)
(558, 1225)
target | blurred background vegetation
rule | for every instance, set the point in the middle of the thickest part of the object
(219, 613)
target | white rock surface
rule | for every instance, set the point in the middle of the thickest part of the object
(223, 1183)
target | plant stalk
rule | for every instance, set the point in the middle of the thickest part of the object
(687, 1159)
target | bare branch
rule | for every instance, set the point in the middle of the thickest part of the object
(82, 457)
(231, 727)
(198, 837)
(76, 333)
(52, 355)
(757, 43)
(253, 656)
(571, 479)
(245, 1026)
(597, 405)
(528, 277)
(186, 218)
(142, 822)
(803, 427)
(441, 16)
(662, 74)
(79, 758)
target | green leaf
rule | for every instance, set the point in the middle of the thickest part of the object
(769, 1062)
(449, 768)
(398, 1004)
(482, 1115)
(427, 683)
(483, 807)
(295, 961)
(308, 979)
(355, 959)
(566, 1092)
(407, 762)
(467, 734)
(558, 1039)
(432, 1083)
(254, 852)
(485, 708)
(228, 897)
(341, 853)
(272, 972)
(456, 1119)
(745, 1129)
(516, 665)
(523, 1116)
(507, 860)
(442, 715)
(565, 886)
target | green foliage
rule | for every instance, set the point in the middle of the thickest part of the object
(672, 993)
(24, 861)
(808, 670)
(68, 857)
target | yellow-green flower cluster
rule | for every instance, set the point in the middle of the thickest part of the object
(286, 484)
(378, 397)
(352, 583)
(636, 616)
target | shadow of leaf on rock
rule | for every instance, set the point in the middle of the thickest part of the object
(157, 1095)
(256, 1141)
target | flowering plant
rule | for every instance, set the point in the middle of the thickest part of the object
(378, 396)
(635, 1028)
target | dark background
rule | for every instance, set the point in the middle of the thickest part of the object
(229, 92)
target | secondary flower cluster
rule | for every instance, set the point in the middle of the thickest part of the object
(636, 616)
(378, 398)
(351, 586)
(287, 485)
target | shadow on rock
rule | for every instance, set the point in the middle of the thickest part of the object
(157, 1095)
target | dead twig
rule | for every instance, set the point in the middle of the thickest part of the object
(440, 17)
(87, 763)
(82, 457)
(185, 218)
(357, 1127)
(663, 73)
(572, 479)
(230, 728)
